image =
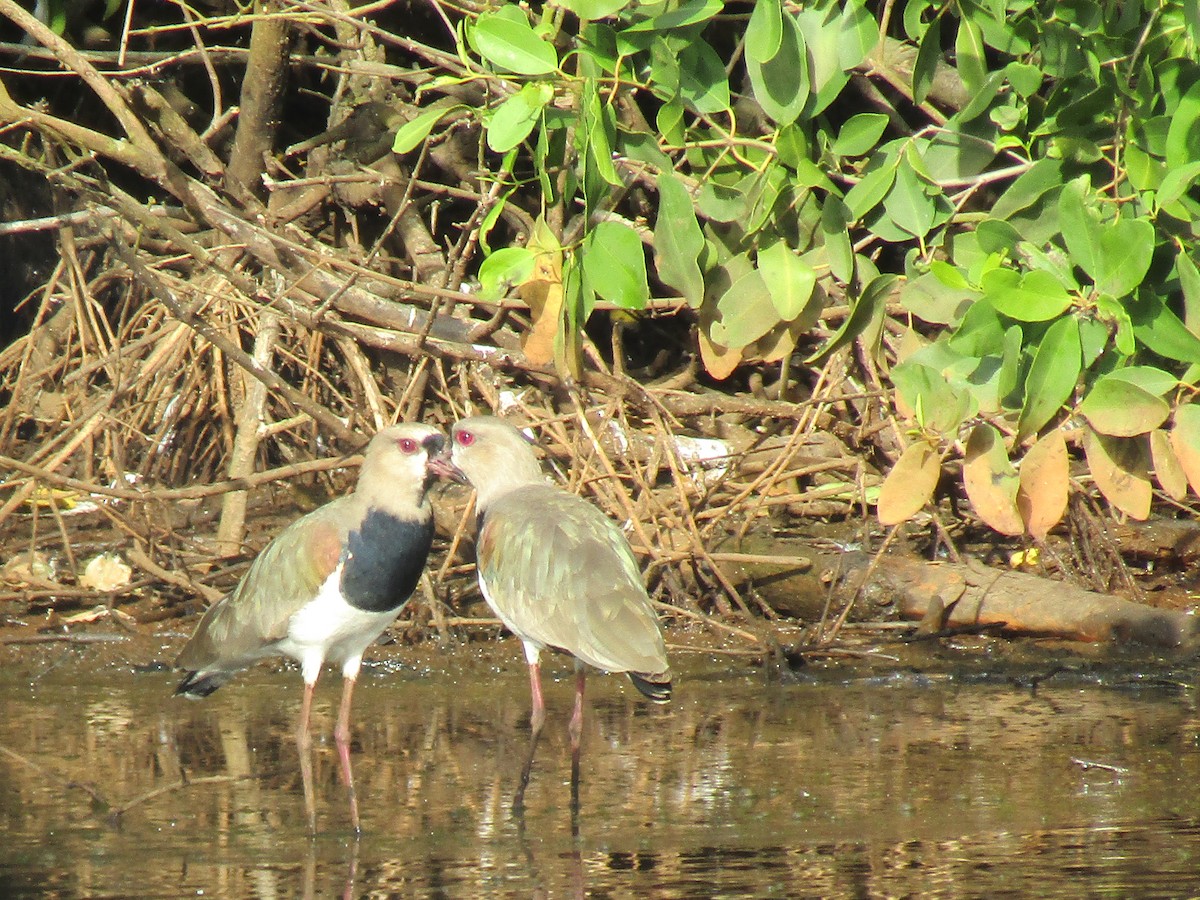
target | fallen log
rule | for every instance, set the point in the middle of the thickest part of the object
(1022, 603)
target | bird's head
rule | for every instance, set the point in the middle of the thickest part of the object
(490, 454)
(400, 457)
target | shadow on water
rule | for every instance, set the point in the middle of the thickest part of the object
(818, 789)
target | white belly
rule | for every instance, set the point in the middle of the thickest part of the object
(329, 629)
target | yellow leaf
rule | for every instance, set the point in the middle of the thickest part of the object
(1167, 468)
(910, 484)
(1121, 471)
(991, 481)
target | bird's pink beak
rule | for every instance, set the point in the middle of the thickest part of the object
(441, 466)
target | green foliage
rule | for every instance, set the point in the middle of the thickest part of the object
(1031, 200)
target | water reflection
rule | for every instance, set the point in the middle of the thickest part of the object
(737, 789)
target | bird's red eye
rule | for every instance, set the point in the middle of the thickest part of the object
(464, 438)
(408, 445)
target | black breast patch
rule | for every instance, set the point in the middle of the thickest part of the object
(384, 559)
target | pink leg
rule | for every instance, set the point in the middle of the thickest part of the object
(576, 726)
(537, 718)
(576, 731)
(304, 748)
(341, 736)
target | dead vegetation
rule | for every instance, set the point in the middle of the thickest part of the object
(221, 304)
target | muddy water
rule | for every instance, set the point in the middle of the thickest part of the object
(834, 787)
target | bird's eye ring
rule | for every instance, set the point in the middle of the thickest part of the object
(464, 438)
(407, 445)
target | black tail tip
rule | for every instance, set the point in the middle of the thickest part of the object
(200, 684)
(654, 687)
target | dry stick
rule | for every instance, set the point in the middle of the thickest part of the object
(30, 346)
(612, 473)
(353, 355)
(194, 492)
(90, 789)
(260, 100)
(107, 93)
(468, 516)
(142, 560)
(413, 395)
(232, 527)
(119, 811)
(711, 621)
(85, 431)
(157, 286)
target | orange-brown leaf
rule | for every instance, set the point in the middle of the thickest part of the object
(1185, 441)
(719, 362)
(1042, 493)
(1120, 468)
(543, 293)
(910, 484)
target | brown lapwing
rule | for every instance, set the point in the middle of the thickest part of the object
(557, 572)
(326, 587)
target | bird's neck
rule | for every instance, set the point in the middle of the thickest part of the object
(501, 484)
(403, 501)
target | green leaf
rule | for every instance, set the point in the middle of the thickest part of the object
(503, 269)
(969, 52)
(616, 264)
(746, 312)
(1052, 376)
(857, 34)
(931, 300)
(1161, 331)
(789, 279)
(835, 229)
(1025, 79)
(1126, 251)
(821, 39)
(1176, 183)
(597, 116)
(678, 240)
(703, 84)
(943, 406)
(509, 42)
(780, 84)
(865, 312)
(1183, 135)
(872, 187)
(908, 205)
(411, 133)
(1043, 176)
(1081, 229)
(1189, 282)
(1121, 408)
(929, 54)
(514, 119)
(689, 13)
(1150, 379)
(860, 134)
(1033, 297)
(764, 34)
(724, 203)
(590, 10)
(982, 99)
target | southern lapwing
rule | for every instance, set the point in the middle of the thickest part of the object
(326, 587)
(556, 571)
